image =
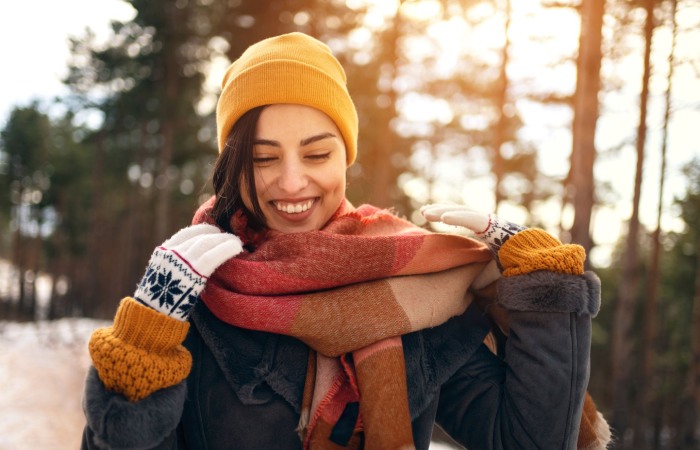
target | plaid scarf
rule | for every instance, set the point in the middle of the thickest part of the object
(349, 291)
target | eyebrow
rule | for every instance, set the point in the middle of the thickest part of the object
(303, 142)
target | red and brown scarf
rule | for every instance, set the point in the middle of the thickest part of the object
(349, 291)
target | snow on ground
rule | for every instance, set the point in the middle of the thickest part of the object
(42, 368)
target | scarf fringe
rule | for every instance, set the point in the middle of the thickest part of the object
(603, 439)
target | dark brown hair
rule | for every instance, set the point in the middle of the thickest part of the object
(235, 166)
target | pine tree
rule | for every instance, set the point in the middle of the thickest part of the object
(25, 141)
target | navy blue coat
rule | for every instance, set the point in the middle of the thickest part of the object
(245, 387)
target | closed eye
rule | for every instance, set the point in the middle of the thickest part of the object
(263, 159)
(319, 156)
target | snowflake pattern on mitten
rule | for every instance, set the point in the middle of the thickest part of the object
(497, 233)
(170, 285)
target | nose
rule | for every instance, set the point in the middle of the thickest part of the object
(292, 178)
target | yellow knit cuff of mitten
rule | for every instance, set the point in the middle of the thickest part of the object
(534, 249)
(142, 352)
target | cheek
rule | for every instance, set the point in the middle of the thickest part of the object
(336, 184)
(246, 197)
(341, 179)
(245, 194)
(261, 185)
(342, 184)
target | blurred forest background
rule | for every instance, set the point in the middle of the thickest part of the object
(445, 90)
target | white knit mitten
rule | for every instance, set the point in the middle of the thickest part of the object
(488, 228)
(178, 270)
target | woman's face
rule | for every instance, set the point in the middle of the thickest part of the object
(299, 165)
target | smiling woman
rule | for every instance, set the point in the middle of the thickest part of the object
(323, 325)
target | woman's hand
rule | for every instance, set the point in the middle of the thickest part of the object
(178, 270)
(488, 228)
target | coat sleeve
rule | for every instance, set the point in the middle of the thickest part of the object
(135, 391)
(533, 397)
(113, 422)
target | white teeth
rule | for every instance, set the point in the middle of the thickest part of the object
(293, 208)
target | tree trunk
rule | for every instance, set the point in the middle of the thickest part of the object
(163, 183)
(382, 169)
(136, 224)
(583, 151)
(18, 261)
(693, 386)
(499, 130)
(34, 249)
(168, 116)
(97, 236)
(56, 263)
(687, 429)
(629, 280)
(650, 415)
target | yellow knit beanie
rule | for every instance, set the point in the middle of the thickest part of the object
(291, 68)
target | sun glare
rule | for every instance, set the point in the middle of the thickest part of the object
(421, 10)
